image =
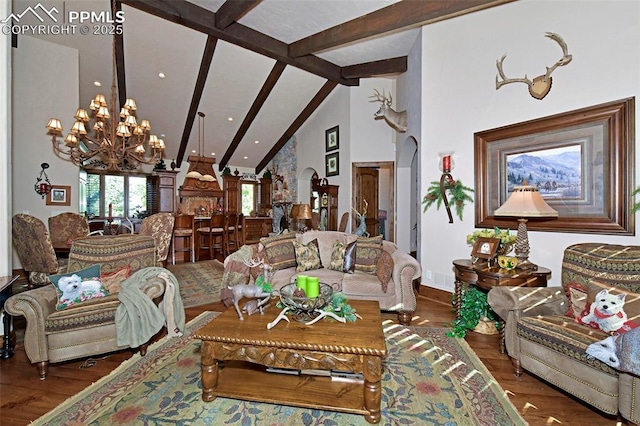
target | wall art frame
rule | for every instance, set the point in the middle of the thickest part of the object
(59, 195)
(332, 164)
(332, 139)
(594, 198)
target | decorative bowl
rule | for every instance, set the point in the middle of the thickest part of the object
(304, 307)
(507, 262)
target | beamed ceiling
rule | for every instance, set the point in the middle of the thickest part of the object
(267, 64)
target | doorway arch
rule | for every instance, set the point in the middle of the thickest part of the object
(408, 237)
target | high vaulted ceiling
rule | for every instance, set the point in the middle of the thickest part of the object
(257, 69)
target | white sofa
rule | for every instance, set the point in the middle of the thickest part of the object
(399, 296)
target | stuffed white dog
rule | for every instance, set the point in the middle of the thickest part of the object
(73, 287)
(606, 312)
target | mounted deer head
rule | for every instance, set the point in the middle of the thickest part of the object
(541, 85)
(397, 120)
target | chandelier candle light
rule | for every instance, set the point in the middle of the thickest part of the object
(115, 145)
(525, 202)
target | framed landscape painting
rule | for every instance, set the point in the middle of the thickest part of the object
(60, 195)
(581, 162)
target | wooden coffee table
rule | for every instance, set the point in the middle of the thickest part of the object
(246, 347)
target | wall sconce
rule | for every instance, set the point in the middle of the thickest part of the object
(446, 163)
(43, 186)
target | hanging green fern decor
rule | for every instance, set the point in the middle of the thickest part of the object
(457, 194)
(636, 204)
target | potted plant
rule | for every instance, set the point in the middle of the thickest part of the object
(474, 312)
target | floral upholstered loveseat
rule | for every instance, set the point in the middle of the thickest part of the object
(549, 330)
(377, 269)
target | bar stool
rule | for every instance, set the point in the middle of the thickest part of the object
(231, 233)
(212, 237)
(183, 230)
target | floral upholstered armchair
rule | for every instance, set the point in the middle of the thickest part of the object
(68, 226)
(35, 250)
(160, 227)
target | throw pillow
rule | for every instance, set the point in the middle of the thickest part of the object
(610, 309)
(384, 269)
(279, 251)
(76, 287)
(307, 256)
(343, 257)
(112, 280)
(577, 296)
(367, 253)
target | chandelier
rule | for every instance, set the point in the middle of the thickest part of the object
(115, 143)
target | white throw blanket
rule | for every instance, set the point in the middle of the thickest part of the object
(138, 319)
(621, 351)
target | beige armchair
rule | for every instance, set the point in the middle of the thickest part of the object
(35, 250)
(543, 336)
(160, 227)
(87, 328)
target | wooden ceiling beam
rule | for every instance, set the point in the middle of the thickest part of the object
(322, 94)
(120, 68)
(205, 64)
(232, 10)
(398, 16)
(203, 20)
(376, 68)
(266, 89)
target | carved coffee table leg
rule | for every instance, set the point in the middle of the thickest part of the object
(208, 372)
(372, 388)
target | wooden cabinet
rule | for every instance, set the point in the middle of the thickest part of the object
(232, 194)
(324, 200)
(161, 193)
(255, 228)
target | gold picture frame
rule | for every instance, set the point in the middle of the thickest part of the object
(59, 195)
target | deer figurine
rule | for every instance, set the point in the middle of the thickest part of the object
(251, 291)
(540, 85)
(361, 230)
(397, 120)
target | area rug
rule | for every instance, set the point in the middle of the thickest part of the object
(200, 282)
(428, 378)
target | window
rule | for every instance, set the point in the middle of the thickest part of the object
(248, 198)
(127, 194)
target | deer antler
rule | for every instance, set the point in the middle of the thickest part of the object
(506, 80)
(539, 86)
(566, 57)
(366, 206)
(253, 262)
(378, 96)
(356, 211)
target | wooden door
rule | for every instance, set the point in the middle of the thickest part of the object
(367, 189)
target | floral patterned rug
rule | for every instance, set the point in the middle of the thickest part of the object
(200, 282)
(428, 378)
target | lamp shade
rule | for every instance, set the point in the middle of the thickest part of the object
(301, 211)
(525, 201)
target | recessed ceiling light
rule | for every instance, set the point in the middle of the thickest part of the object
(245, 157)
(230, 118)
(193, 151)
(161, 75)
(257, 142)
(162, 135)
(97, 84)
(213, 153)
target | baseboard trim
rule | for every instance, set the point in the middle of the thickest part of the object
(435, 294)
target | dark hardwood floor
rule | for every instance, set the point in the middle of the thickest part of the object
(23, 397)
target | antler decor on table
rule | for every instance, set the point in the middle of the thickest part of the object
(540, 86)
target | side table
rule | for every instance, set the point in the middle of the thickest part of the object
(486, 277)
(6, 351)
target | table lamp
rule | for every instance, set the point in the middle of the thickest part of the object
(524, 202)
(301, 213)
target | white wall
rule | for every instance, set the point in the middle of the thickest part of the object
(459, 98)
(5, 148)
(45, 85)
